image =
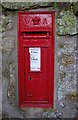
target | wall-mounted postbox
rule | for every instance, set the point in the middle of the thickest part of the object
(36, 59)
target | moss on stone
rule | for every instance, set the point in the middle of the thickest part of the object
(67, 59)
(24, 5)
(6, 73)
(62, 75)
(61, 45)
(67, 23)
(75, 8)
(73, 96)
(14, 5)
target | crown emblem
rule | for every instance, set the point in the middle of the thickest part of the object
(36, 20)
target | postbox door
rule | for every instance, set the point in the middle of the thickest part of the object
(36, 58)
(36, 75)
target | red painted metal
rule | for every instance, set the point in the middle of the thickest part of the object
(36, 30)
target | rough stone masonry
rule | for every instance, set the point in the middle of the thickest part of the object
(65, 77)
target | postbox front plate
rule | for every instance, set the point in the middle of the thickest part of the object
(36, 59)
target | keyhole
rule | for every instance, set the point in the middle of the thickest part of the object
(30, 78)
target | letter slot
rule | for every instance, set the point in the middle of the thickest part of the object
(34, 34)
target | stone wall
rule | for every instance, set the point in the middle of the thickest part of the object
(65, 59)
(0, 68)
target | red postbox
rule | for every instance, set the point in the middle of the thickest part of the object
(36, 58)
